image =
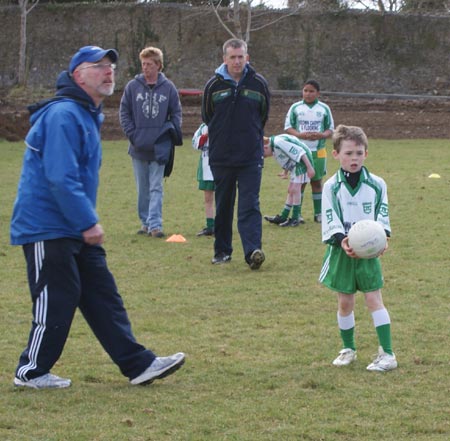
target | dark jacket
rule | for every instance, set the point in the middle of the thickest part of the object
(165, 143)
(235, 115)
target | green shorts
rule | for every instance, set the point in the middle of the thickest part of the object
(206, 185)
(347, 275)
(320, 164)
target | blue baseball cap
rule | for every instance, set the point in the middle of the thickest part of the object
(92, 54)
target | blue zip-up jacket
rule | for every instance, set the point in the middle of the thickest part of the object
(144, 111)
(235, 115)
(57, 189)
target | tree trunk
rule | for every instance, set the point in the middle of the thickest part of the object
(22, 79)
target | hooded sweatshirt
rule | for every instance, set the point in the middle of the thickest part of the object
(57, 189)
(143, 112)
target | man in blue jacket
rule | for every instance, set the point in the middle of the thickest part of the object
(56, 222)
(235, 108)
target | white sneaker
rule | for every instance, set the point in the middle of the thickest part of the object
(384, 362)
(346, 356)
(47, 381)
(161, 367)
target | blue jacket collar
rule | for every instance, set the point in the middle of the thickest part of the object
(222, 70)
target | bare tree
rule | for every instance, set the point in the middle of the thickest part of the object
(26, 6)
(240, 25)
(434, 6)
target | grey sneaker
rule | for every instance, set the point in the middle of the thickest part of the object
(345, 357)
(46, 381)
(318, 218)
(161, 367)
(256, 259)
(383, 362)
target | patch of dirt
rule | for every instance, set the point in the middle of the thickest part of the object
(380, 118)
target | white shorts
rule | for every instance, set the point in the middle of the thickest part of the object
(301, 179)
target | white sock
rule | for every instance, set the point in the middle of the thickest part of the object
(346, 322)
(381, 317)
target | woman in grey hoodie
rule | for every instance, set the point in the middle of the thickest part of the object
(148, 103)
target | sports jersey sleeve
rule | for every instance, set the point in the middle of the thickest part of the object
(331, 213)
(328, 120)
(289, 152)
(382, 205)
(291, 118)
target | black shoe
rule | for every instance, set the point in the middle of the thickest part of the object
(293, 222)
(156, 233)
(256, 259)
(277, 219)
(286, 223)
(206, 232)
(220, 258)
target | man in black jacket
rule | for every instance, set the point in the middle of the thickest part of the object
(235, 108)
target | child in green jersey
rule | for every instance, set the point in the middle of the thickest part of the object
(205, 178)
(353, 194)
(294, 156)
(311, 121)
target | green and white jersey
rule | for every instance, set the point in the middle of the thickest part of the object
(314, 117)
(200, 142)
(288, 151)
(343, 205)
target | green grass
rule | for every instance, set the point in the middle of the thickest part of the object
(259, 344)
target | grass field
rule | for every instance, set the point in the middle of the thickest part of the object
(259, 344)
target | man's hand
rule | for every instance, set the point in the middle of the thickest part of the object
(95, 235)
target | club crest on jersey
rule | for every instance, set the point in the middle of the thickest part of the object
(367, 207)
(329, 215)
(384, 210)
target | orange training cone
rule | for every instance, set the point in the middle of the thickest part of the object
(176, 238)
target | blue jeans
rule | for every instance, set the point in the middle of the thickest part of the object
(149, 177)
(246, 182)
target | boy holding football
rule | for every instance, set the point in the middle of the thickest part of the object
(348, 196)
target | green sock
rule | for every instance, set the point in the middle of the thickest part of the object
(384, 337)
(348, 338)
(295, 212)
(317, 202)
(286, 210)
(209, 222)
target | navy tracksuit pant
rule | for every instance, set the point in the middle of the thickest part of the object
(247, 181)
(64, 274)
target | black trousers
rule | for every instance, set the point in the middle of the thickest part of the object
(64, 274)
(246, 181)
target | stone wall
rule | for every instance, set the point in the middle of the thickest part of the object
(347, 51)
